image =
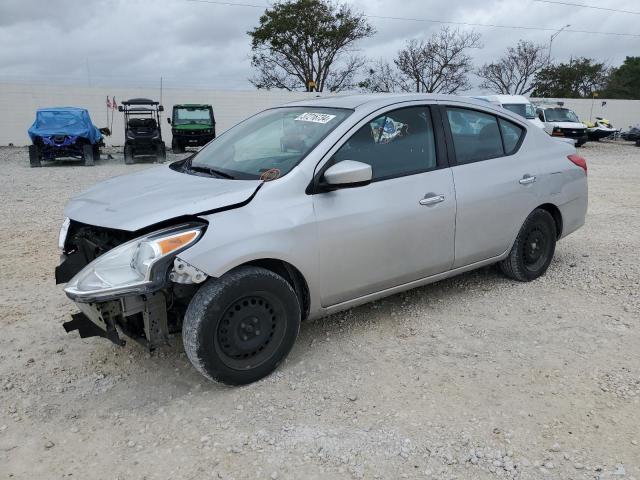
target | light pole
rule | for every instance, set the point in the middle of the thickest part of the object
(551, 40)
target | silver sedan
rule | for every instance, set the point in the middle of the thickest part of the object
(310, 208)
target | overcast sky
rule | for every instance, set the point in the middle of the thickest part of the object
(134, 42)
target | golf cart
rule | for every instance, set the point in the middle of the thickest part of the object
(64, 133)
(142, 132)
(193, 125)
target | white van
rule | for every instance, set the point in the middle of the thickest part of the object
(517, 104)
(561, 122)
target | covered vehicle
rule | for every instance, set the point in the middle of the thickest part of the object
(142, 132)
(632, 135)
(307, 209)
(192, 125)
(64, 132)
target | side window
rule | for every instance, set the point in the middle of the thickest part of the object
(400, 142)
(511, 134)
(476, 135)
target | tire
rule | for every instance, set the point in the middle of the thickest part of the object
(239, 327)
(161, 152)
(533, 249)
(176, 146)
(128, 155)
(87, 155)
(34, 156)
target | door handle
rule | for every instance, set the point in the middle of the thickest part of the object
(431, 199)
(527, 179)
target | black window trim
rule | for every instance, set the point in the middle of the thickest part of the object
(449, 136)
(439, 134)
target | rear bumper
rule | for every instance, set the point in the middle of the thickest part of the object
(196, 140)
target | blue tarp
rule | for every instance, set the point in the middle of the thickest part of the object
(64, 121)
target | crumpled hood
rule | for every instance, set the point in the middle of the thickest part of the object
(135, 201)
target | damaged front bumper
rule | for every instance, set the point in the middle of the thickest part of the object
(142, 318)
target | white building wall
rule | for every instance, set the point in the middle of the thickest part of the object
(18, 104)
(622, 113)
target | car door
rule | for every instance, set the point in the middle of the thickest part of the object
(496, 181)
(400, 227)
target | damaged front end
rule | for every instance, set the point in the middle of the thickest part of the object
(135, 285)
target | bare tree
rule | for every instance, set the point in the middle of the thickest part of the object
(381, 77)
(514, 72)
(302, 43)
(438, 65)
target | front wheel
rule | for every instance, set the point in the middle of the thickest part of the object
(239, 327)
(533, 249)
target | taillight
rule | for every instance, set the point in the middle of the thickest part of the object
(579, 161)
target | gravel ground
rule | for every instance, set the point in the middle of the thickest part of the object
(476, 377)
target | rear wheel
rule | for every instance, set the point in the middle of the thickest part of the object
(128, 155)
(176, 146)
(87, 155)
(239, 327)
(533, 249)
(34, 156)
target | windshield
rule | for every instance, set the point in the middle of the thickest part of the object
(189, 116)
(270, 143)
(525, 110)
(560, 115)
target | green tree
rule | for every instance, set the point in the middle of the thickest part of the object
(577, 79)
(624, 81)
(303, 41)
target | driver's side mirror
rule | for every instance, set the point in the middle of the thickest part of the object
(120, 108)
(347, 174)
(169, 121)
(160, 108)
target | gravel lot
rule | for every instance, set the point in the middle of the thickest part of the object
(471, 378)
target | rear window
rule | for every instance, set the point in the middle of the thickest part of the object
(511, 135)
(476, 135)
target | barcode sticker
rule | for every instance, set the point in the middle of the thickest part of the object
(315, 117)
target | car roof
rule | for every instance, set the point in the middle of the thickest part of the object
(62, 109)
(368, 100)
(192, 105)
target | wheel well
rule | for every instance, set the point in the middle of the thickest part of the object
(292, 275)
(557, 216)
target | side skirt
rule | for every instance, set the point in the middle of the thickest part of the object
(407, 286)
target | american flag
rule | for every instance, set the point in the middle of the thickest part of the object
(108, 102)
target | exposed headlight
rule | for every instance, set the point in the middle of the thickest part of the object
(62, 236)
(136, 267)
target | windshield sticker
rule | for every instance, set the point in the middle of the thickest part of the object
(270, 174)
(315, 117)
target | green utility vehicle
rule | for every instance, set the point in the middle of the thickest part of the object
(192, 125)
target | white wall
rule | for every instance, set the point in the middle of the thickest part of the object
(18, 104)
(622, 113)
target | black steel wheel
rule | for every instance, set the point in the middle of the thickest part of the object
(533, 249)
(239, 327)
